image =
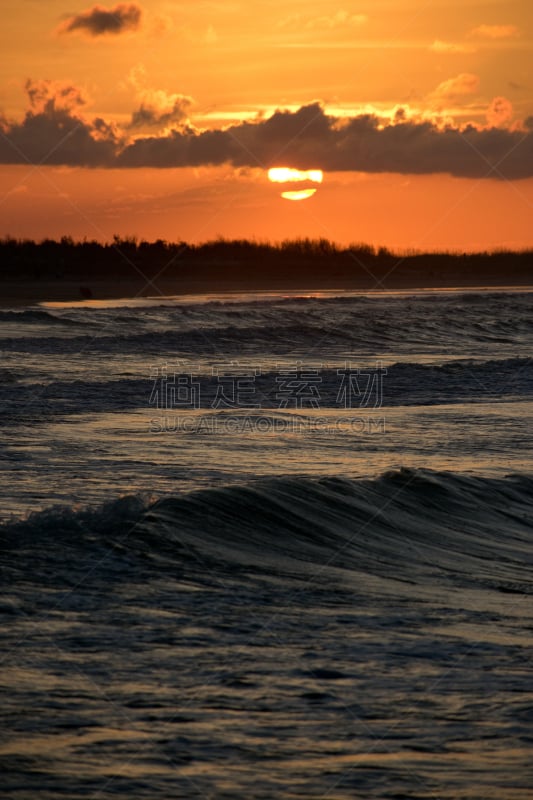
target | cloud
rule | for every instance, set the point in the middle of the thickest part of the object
(54, 131)
(337, 20)
(500, 112)
(439, 46)
(291, 19)
(137, 77)
(495, 31)
(50, 96)
(456, 88)
(159, 109)
(97, 21)
(309, 139)
(22, 188)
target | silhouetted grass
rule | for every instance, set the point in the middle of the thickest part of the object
(250, 261)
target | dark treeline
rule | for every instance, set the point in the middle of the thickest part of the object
(251, 262)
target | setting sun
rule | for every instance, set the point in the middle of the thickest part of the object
(290, 175)
(301, 194)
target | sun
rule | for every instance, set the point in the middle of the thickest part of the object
(288, 175)
(302, 194)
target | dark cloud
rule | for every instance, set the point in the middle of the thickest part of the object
(160, 110)
(50, 96)
(55, 131)
(308, 138)
(97, 20)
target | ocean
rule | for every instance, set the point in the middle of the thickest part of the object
(268, 546)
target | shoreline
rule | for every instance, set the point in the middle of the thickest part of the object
(32, 293)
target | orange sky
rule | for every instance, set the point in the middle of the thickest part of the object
(160, 119)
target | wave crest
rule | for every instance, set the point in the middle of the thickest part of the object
(413, 526)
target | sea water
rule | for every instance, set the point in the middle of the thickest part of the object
(262, 546)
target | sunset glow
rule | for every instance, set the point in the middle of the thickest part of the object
(153, 119)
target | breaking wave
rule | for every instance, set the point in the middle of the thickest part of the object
(407, 526)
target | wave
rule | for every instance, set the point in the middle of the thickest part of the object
(459, 325)
(35, 317)
(277, 339)
(402, 384)
(414, 527)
